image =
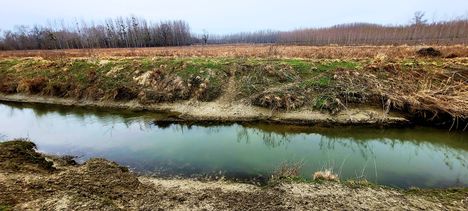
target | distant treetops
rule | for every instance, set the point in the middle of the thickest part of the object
(136, 32)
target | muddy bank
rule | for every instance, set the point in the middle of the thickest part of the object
(205, 112)
(29, 180)
(426, 90)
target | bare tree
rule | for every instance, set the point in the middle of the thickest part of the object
(135, 32)
(418, 18)
(205, 37)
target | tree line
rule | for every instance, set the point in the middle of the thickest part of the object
(113, 33)
(264, 36)
(419, 32)
(136, 32)
(450, 32)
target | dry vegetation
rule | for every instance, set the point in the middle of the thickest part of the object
(427, 84)
(244, 50)
(132, 32)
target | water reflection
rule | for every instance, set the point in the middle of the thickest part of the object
(423, 157)
(270, 139)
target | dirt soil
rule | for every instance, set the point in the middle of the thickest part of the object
(100, 184)
(225, 111)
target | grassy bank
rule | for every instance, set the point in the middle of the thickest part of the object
(430, 89)
(51, 183)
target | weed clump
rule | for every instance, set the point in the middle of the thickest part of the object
(32, 86)
(203, 89)
(429, 52)
(124, 94)
(8, 85)
(287, 171)
(326, 175)
(289, 99)
(162, 85)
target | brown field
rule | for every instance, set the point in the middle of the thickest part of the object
(245, 50)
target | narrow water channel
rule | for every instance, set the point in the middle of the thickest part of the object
(420, 157)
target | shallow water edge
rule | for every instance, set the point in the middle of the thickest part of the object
(213, 112)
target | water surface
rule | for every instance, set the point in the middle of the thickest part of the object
(421, 157)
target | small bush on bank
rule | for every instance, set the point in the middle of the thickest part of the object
(429, 52)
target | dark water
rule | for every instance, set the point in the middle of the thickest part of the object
(422, 157)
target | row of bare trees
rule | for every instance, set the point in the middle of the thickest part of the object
(136, 32)
(420, 32)
(113, 33)
(265, 36)
(452, 32)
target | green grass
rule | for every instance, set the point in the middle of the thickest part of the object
(4, 207)
(252, 75)
(335, 64)
(300, 66)
(323, 81)
(321, 102)
(190, 67)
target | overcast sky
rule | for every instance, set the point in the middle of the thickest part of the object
(223, 16)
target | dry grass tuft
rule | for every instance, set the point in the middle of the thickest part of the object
(327, 175)
(280, 100)
(287, 170)
(32, 86)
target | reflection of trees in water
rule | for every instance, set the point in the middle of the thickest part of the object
(85, 116)
(359, 140)
(243, 134)
(141, 125)
(107, 120)
(270, 139)
(363, 144)
(182, 128)
(367, 148)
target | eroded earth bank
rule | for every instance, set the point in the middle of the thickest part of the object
(395, 87)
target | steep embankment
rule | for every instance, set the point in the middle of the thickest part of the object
(29, 180)
(377, 90)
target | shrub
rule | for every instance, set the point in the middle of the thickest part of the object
(429, 52)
